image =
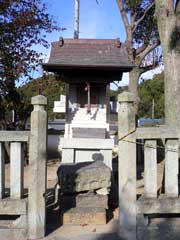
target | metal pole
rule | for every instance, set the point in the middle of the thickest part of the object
(153, 108)
(76, 18)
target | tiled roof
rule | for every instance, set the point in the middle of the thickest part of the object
(89, 53)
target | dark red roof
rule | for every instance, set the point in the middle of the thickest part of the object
(88, 53)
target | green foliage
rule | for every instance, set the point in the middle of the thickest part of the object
(48, 86)
(150, 89)
(23, 24)
(114, 93)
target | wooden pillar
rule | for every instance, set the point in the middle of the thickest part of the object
(107, 103)
(89, 97)
(67, 103)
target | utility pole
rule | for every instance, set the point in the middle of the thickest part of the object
(76, 18)
(153, 106)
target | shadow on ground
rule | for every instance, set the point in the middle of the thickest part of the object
(165, 228)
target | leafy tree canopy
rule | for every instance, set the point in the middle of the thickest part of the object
(48, 86)
(23, 24)
(149, 90)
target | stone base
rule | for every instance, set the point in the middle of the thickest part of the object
(15, 234)
(75, 150)
(84, 200)
(81, 216)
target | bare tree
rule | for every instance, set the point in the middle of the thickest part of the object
(141, 37)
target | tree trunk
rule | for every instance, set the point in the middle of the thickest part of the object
(133, 84)
(172, 88)
(167, 22)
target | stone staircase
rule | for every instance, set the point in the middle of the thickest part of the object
(96, 117)
(79, 118)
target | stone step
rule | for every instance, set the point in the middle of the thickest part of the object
(13, 206)
(89, 118)
(83, 113)
(89, 122)
(13, 234)
(81, 216)
(84, 200)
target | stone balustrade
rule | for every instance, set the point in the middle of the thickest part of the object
(32, 210)
(132, 208)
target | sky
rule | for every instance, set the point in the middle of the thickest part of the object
(100, 20)
(96, 20)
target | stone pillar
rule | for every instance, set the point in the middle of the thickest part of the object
(2, 170)
(127, 166)
(171, 168)
(37, 169)
(150, 169)
(16, 170)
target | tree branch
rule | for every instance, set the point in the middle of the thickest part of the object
(133, 17)
(123, 15)
(148, 68)
(143, 16)
(148, 50)
(141, 49)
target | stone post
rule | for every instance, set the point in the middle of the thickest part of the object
(16, 170)
(37, 169)
(171, 168)
(2, 170)
(127, 166)
(150, 169)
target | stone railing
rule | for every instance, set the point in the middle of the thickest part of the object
(32, 209)
(16, 139)
(132, 211)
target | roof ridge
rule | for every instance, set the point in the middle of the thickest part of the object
(88, 41)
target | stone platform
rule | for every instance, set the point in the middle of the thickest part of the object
(84, 200)
(83, 216)
(76, 150)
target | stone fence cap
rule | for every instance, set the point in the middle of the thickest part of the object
(126, 97)
(39, 100)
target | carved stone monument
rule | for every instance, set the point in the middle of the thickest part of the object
(84, 191)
